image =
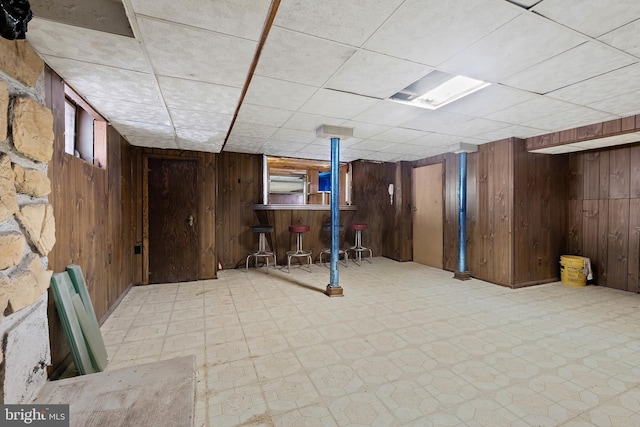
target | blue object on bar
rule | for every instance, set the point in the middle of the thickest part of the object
(335, 209)
(324, 181)
(462, 214)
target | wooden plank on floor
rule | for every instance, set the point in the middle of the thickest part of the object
(154, 394)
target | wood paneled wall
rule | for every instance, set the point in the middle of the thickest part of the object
(515, 213)
(390, 226)
(370, 195)
(93, 219)
(239, 188)
(540, 193)
(397, 234)
(604, 214)
(207, 263)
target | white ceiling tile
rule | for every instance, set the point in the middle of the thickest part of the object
(195, 54)
(372, 145)
(129, 128)
(207, 147)
(310, 122)
(346, 22)
(540, 106)
(262, 115)
(275, 144)
(516, 46)
(488, 100)
(241, 149)
(435, 121)
(399, 149)
(388, 113)
(314, 148)
(107, 82)
(200, 96)
(200, 119)
(399, 135)
(293, 135)
(242, 18)
(473, 127)
(254, 130)
(200, 136)
(279, 152)
(141, 141)
(332, 103)
(344, 143)
(592, 17)
(237, 141)
(300, 58)
(625, 38)
(270, 92)
(435, 140)
(364, 130)
(580, 63)
(525, 3)
(417, 31)
(118, 110)
(66, 41)
(376, 75)
(602, 87)
(572, 117)
(622, 105)
(512, 131)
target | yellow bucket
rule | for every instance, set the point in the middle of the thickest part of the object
(572, 270)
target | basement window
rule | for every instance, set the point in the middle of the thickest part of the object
(85, 131)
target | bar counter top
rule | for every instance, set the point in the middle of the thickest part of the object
(284, 207)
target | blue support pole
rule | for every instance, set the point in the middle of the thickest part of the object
(462, 272)
(335, 210)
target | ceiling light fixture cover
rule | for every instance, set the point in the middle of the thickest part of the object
(437, 89)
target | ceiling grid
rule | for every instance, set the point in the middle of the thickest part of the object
(189, 78)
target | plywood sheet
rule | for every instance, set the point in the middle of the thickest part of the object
(154, 394)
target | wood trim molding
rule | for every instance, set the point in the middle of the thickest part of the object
(606, 129)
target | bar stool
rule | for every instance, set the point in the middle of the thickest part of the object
(262, 252)
(327, 227)
(299, 252)
(358, 248)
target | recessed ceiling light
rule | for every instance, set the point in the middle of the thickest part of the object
(437, 89)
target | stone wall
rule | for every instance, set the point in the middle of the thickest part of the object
(27, 228)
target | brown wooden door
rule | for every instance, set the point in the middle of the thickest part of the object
(427, 215)
(173, 223)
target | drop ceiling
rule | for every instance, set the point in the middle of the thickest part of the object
(256, 76)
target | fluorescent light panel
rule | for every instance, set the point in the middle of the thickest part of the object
(437, 89)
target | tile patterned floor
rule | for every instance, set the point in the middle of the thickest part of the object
(407, 346)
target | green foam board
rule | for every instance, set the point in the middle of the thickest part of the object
(91, 333)
(63, 289)
(88, 319)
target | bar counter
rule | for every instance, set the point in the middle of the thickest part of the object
(282, 216)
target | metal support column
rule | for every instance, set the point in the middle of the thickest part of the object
(335, 210)
(334, 132)
(462, 272)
